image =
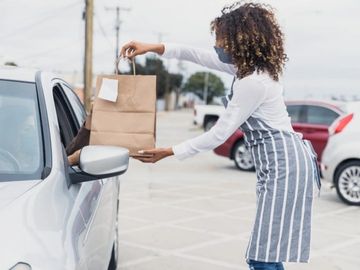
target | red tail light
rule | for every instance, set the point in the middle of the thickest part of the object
(341, 124)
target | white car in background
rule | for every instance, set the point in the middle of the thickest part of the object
(205, 116)
(340, 164)
(53, 216)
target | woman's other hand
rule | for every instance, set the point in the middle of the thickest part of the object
(134, 48)
(154, 155)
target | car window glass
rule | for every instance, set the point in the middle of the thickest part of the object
(294, 113)
(20, 137)
(320, 115)
(68, 128)
(75, 102)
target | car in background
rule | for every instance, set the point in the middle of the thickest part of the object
(312, 118)
(340, 164)
(53, 216)
(205, 116)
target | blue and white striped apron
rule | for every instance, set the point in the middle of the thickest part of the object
(287, 174)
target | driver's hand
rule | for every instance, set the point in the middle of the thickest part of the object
(74, 158)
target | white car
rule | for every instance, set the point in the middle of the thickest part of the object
(53, 216)
(340, 164)
(205, 116)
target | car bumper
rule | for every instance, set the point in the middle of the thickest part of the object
(224, 150)
(326, 173)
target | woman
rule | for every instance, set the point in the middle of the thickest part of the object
(249, 46)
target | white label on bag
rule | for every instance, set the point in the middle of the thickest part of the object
(108, 90)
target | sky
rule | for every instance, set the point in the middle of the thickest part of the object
(322, 37)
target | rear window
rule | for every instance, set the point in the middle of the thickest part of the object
(320, 115)
(21, 149)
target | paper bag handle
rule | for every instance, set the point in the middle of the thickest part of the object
(117, 61)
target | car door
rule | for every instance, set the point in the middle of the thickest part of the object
(318, 118)
(97, 200)
(312, 121)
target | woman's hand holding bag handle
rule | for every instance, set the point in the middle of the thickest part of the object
(134, 48)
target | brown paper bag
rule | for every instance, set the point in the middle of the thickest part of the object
(129, 122)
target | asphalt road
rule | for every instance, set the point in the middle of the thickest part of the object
(197, 214)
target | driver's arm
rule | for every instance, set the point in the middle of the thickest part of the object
(81, 139)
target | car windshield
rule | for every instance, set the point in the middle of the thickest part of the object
(20, 134)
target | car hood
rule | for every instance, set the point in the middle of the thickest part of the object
(30, 228)
(11, 190)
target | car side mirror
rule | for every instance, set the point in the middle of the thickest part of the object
(98, 162)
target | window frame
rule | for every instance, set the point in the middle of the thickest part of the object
(77, 100)
(72, 123)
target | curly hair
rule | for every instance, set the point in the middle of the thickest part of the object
(250, 33)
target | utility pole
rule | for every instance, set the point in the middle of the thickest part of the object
(118, 22)
(206, 87)
(88, 16)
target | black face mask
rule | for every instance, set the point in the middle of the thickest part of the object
(223, 56)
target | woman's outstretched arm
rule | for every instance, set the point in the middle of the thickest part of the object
(206, 58)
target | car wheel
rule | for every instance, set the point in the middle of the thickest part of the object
(209, 124)
(347, 182)
(242, 157)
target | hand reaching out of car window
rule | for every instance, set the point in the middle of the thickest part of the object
(134, 48)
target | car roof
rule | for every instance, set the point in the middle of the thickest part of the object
(17, 73)
(333, 104)
(343, 106)
(317, 101)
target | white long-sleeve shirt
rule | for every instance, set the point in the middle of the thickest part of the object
(256, 95)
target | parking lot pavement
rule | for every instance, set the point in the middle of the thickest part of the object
(198, 213)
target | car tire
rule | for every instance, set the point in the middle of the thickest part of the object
(242, 157)
(209, 124)
(347, 182)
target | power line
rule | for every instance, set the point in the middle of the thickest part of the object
(49, 16)
(102, 30)
(49, 51)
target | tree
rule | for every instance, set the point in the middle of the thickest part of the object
(155, 66)
(196, 82)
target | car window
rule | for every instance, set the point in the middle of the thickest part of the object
(21, 146)
(320, 115)
(295, 113)
(68, 125)
(75, 102)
